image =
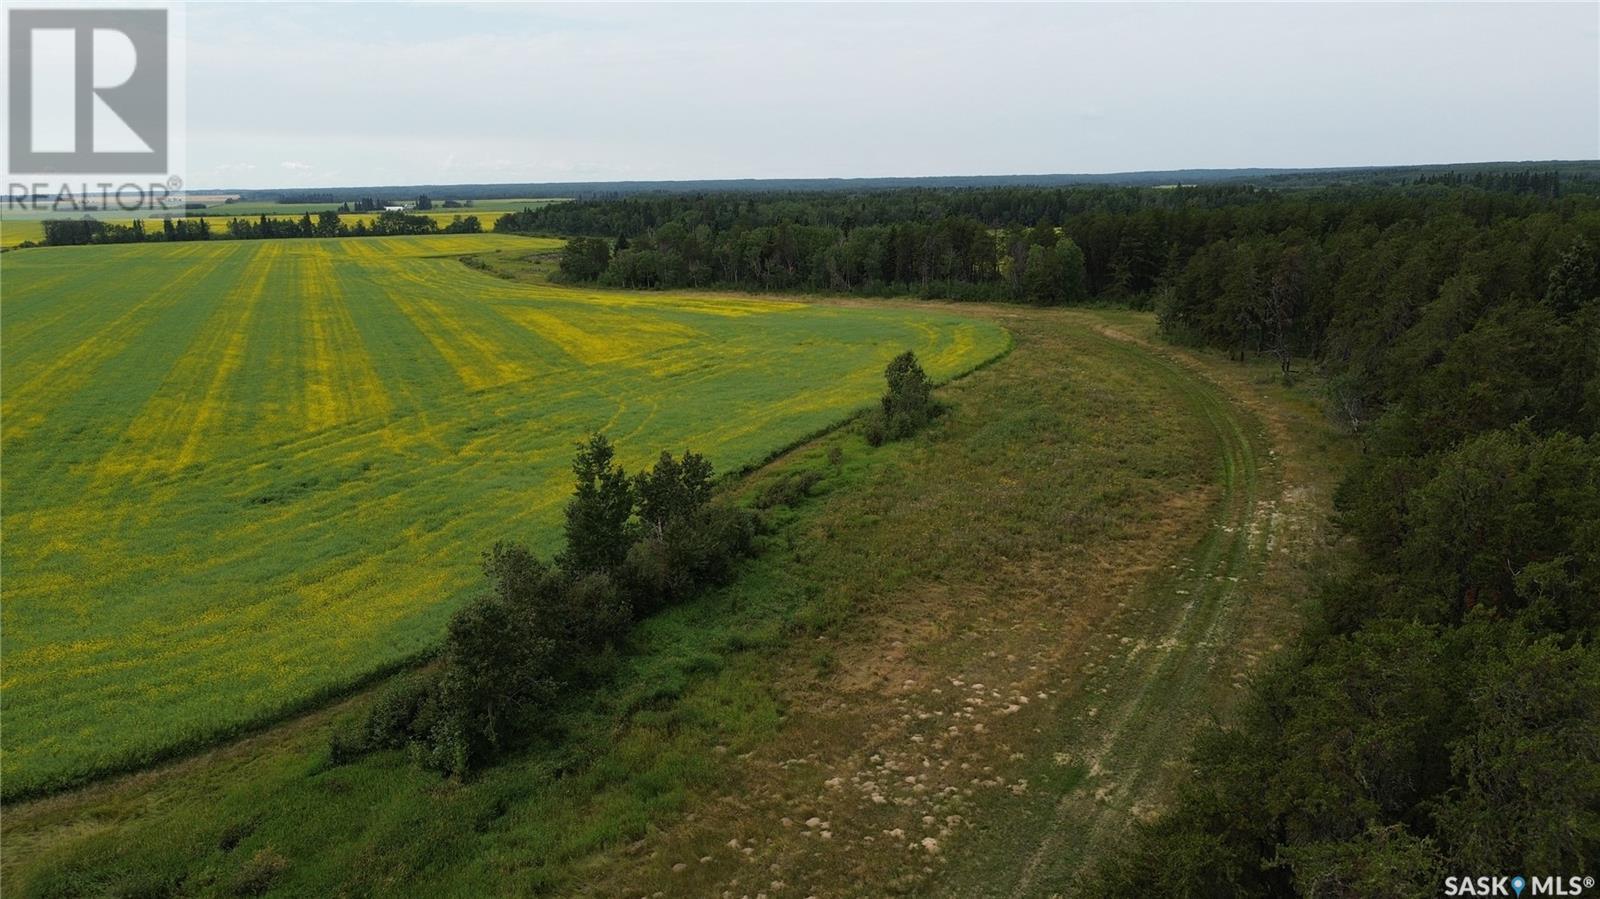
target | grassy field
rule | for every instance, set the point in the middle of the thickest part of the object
(1034, 543)
(14, 231)
(242, 475)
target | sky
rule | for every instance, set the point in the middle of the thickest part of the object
(283, 95)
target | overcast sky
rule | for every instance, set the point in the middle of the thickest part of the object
(284, 95)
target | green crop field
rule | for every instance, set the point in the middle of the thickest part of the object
(243, 474)
(14, 231)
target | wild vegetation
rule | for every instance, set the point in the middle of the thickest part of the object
(244, 475)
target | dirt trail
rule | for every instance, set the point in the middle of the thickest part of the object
(988, 739)
(1134, 713)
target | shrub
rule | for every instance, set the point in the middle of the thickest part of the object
(594, 611)
(258, 874)
(875, 430)
(689, 555)
(908, 404)
(389, 722)
(789, 489)
(673, 489)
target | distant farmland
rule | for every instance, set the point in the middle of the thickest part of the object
(14, 230)
(242, 474)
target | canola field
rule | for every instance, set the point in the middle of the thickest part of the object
(241, 475)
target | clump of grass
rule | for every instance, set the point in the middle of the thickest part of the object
(789, 489)
(258, 875)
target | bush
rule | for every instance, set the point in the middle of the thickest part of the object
(789, 489)
(594, 611)
(875, 430)
(908, 404)
(673, 489)
(390, 723)
(689, 555)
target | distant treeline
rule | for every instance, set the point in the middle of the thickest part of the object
(1545, 184)
(1582, 175)
(362, 203)
(76, 232)
(976, 244)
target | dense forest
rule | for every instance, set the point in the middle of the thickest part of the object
(1045, 246)
(1441, 713)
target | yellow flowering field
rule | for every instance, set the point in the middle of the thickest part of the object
(240, 476)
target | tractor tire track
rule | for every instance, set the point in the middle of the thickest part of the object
(1145, 701)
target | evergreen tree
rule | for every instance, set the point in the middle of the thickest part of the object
(597, 529)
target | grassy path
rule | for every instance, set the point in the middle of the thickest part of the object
(1134, 712)
(985, 732)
